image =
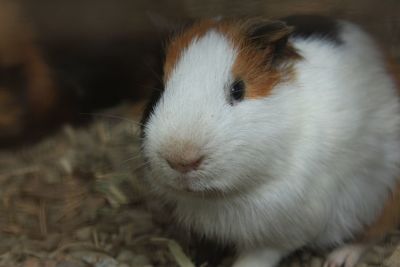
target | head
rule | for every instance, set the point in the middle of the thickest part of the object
(213, 127)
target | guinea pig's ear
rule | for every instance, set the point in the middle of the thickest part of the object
(271, 35)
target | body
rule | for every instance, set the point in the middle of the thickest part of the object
(308, 156)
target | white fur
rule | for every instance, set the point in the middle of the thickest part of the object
(310, 164)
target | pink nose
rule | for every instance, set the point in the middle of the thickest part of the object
(185, 166)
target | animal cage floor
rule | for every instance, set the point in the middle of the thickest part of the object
(75, 199)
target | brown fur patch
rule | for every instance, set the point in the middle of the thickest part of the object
(10, 113)
(41, 92)
(260, 79)
(262, 69)
(388, 219)
(28, 95)
(181, 42)
(394, 70)
(254, 65)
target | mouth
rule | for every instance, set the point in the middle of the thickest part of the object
(201, 193)
(185, 188)
(193, 184)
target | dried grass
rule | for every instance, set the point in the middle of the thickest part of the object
(76, 199)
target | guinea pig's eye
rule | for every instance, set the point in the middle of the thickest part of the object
(237, 90)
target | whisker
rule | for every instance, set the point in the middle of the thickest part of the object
(113, 117)
(151, 88)
(157, 74)
(113, 173)
(130, 159)
(141, 166)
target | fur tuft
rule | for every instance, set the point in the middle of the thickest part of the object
(307, 158)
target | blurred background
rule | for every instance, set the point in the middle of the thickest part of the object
(73, 79)
(73, 57)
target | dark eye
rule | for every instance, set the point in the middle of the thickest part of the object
(237, 90)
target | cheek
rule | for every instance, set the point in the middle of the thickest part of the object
(223, 136)
(158, 173)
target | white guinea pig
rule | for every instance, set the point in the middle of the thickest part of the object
(277, 135)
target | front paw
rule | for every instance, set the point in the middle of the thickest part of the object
(346, 256)
(264, 257)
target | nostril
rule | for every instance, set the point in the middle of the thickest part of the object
(185, 166)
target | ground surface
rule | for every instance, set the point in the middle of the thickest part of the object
(75, 200)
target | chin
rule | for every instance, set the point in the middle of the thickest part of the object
(184, 188)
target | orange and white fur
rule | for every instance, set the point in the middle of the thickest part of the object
(304, 152)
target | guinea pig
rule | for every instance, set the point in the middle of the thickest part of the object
(274, 135)
(28, 95)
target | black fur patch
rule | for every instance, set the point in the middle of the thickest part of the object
(159, 87)
(153, 100)
(308, 26)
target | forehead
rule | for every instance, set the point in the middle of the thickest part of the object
(211, 53)
(207, 58)
(190, 37)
